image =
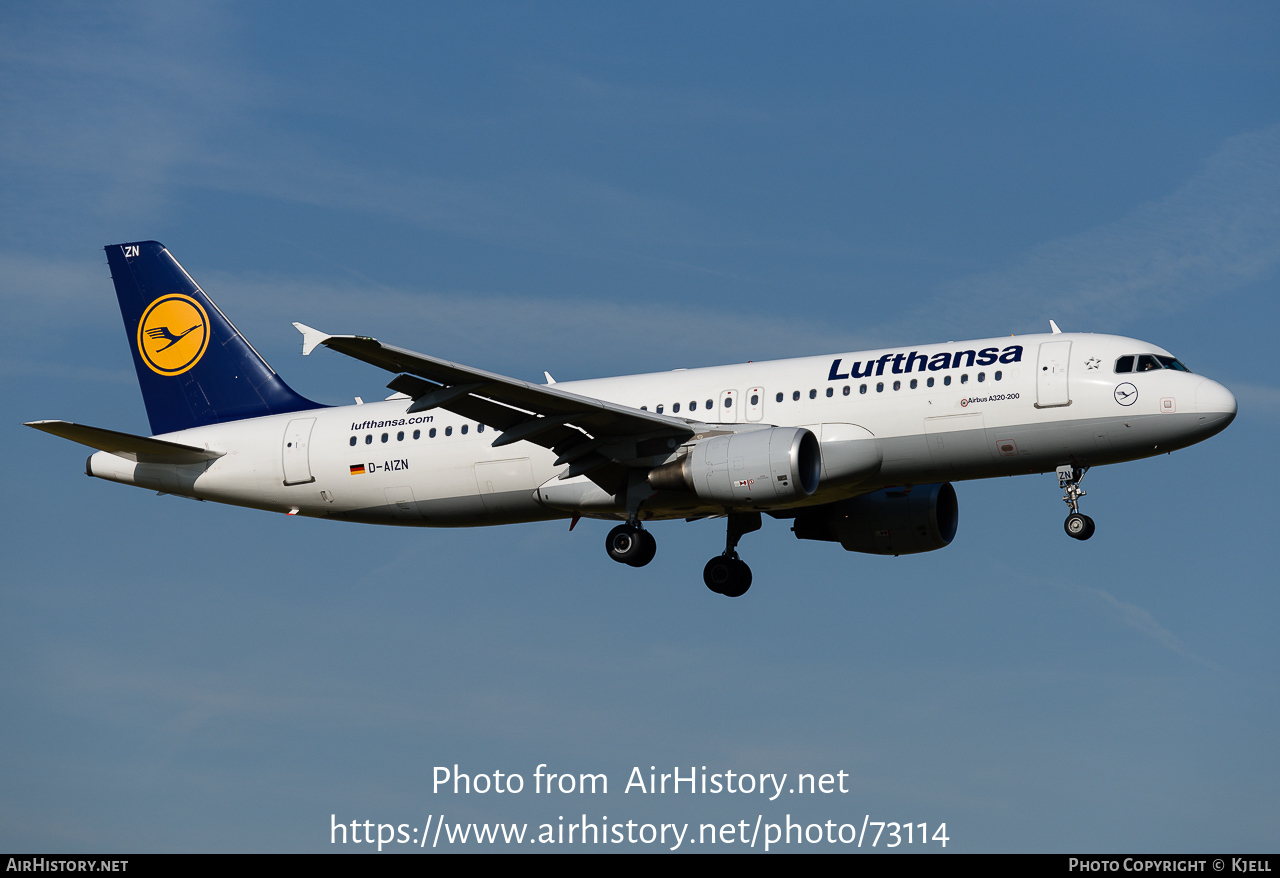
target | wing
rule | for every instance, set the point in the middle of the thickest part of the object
(595, 437)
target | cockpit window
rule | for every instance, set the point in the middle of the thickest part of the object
(1149, 363)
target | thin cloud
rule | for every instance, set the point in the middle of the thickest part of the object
(1257, 399)
(42, 292)
(1135, 617)
(539, 330)
(1218, 232)
(105, 109)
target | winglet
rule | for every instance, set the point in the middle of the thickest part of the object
(547, 375)
(311, 338)
(1052, 325)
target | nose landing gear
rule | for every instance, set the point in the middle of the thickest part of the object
(1078, 525)
(727, 574)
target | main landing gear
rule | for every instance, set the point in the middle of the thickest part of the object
(1078, 525)
(631, 544)
(727, 574)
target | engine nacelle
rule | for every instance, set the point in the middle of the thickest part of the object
(892, 521)
(756, 468)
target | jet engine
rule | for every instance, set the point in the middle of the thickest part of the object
(755, 468)
(892, 521)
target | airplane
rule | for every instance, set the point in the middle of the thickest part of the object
(857, 448)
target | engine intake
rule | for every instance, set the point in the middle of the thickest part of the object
(755, 468)
(892, 521)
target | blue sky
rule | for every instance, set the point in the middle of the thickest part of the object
(601, 191)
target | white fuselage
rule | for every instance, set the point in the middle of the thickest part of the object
(1055, 400)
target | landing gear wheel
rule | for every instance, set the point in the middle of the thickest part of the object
(625, 544)
(648, 548)
(741, 582)
(727, 576)
(718, 573)
(1078, 526)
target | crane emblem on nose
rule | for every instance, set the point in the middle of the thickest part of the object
(1126, 394)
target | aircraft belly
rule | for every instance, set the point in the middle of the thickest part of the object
(461, 511)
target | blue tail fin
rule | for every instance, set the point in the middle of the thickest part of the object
(195, 368)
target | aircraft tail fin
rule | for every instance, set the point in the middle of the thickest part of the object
(194, 366)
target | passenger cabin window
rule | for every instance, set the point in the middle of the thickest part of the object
(755, 399)
(795, 397)
(831, 391)
(929, 383)
(384, 437)
(1124, 364)
(659, 408)
(400, 436)
(675, 408)
(964, 379)
(417, 434)
(353, 440)
(711, 404)
(693, 405)
(431, 434)
(862, 388)
(779, 397)
(879, 387)
(897, 385)
(448, 431)
(914, 384)
(946, 380)
(464, 429)
(368, 440)
(846, 390)
(998, 375)
(982, 376)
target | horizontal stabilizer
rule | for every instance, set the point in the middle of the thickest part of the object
(139, 449)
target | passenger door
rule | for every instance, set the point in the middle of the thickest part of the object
(1051, 374)
(294, 451)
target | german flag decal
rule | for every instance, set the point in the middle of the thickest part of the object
(357, 469)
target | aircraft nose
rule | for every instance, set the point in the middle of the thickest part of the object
(1213, 398)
